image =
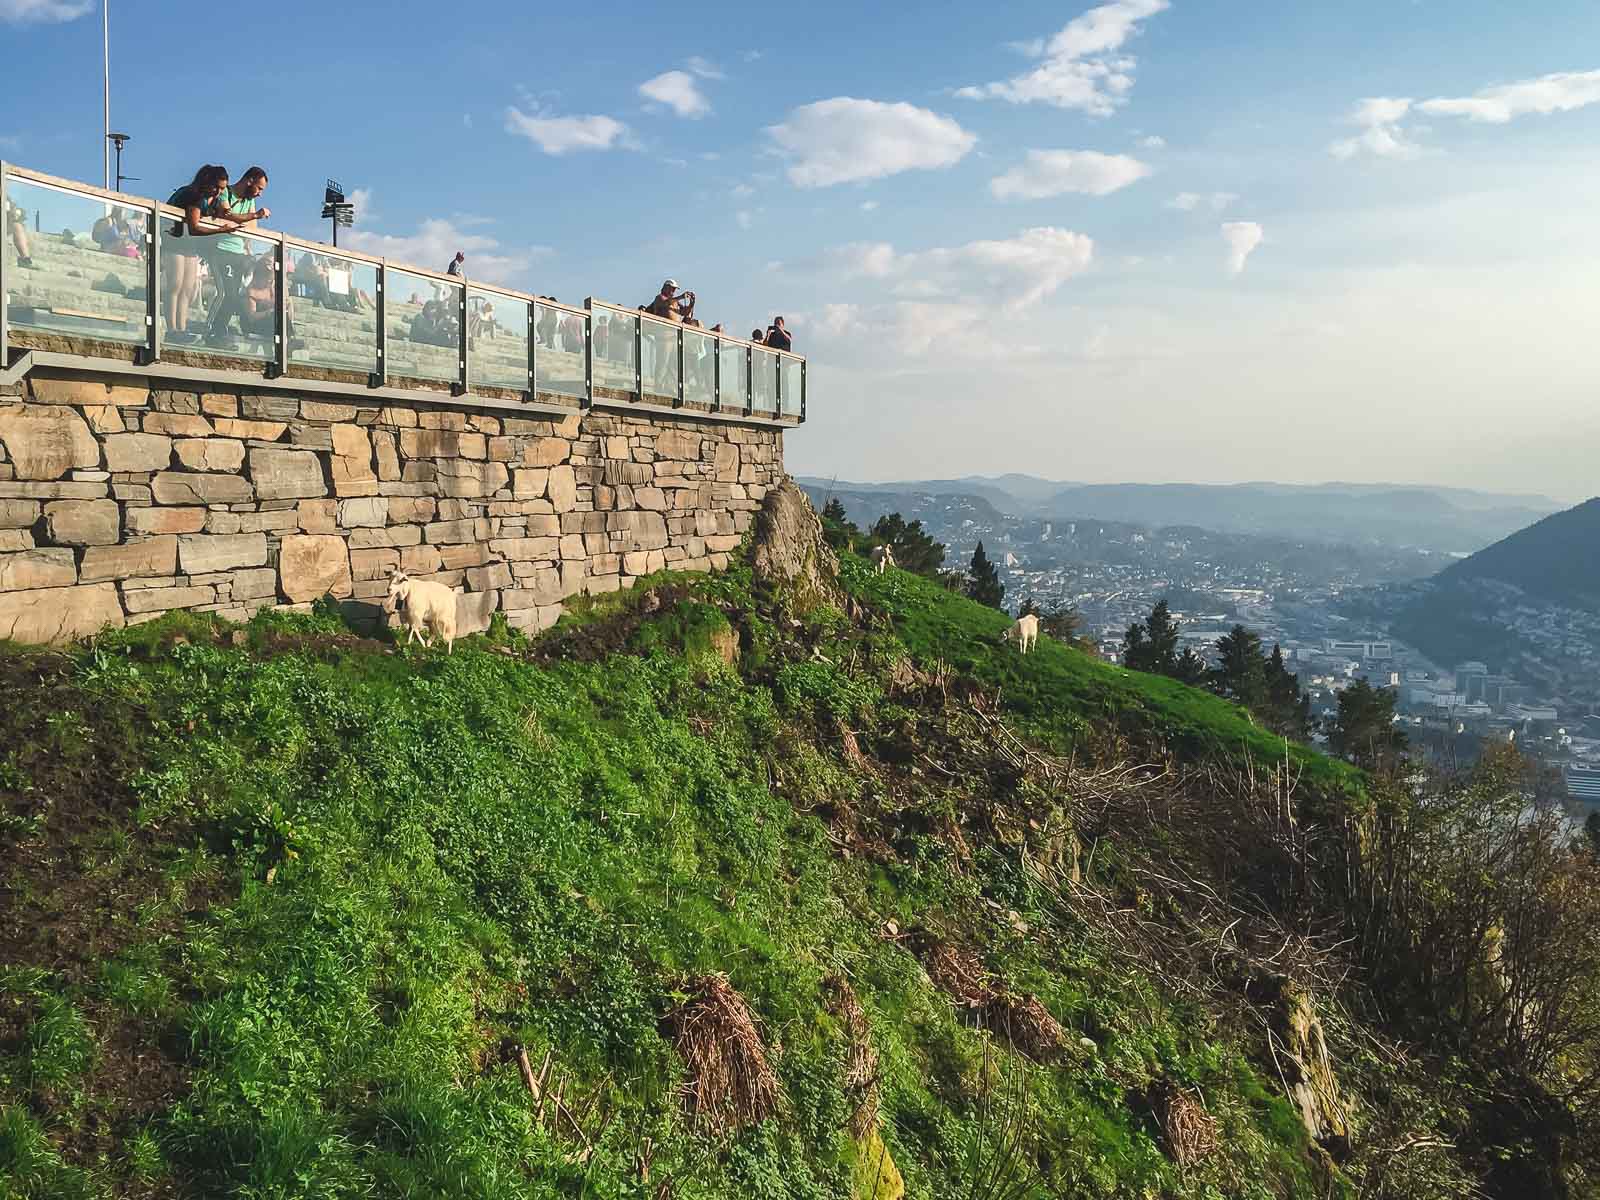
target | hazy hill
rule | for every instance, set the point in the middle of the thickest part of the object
(1556, 559)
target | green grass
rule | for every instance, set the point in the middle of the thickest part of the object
(370, 868)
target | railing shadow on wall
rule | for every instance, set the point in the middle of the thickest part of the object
(314, 312)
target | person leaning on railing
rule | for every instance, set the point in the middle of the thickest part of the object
(231, 264)
(180, 260)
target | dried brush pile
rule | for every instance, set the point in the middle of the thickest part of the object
(861, 1060)
(1188, 1131)
(1023, 1020)
(730, 1083)
(1026, 1023)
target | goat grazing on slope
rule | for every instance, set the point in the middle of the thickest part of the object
(424, 605)
(1025, 630)
(882, 558)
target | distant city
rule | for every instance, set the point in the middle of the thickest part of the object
(1501, 665)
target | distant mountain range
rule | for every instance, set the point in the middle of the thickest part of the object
(1528, 605)
(1448, 520)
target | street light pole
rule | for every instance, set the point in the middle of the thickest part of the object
(105, 58)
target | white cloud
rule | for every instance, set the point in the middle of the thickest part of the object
(25, 12)
(1152, 142)
(678, 91)
(1191, 201)
(843, 140)
(1242, 238)
(559, 135)
(436, 242)
(1080, 68)
(1013, 272)
(1504, 102)
(1056, 172)
(1381, 134)
(869, 206)
(704, 68)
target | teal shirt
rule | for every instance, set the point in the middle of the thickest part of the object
(228, 201)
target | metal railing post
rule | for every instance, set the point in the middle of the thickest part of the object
(638, 358)
(463, 378)
(5, 281)
(533, 349)
(678, 403)
(716, 374)
(588, 354)
(802, 391)
(152, 285)
(749, 380)
(381, 376)
(279, 366)
(777, 385)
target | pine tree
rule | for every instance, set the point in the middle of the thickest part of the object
(837, 529)
(1288, 709)
(1364, 731)
(914, 548)
(983, 580)
(1241, 671)
(1153, 646)
(1162, 631)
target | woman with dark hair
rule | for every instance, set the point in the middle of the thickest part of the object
(199, 199)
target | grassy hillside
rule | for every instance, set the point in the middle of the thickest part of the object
(289, 912)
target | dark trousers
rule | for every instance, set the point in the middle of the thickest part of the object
(231, 273)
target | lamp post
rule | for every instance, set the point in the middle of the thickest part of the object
(336, 208)
(105, 60)
(119, 140)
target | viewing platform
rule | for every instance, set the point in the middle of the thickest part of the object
(340, 319)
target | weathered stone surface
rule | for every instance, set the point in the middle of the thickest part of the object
(105, 418)
(420, 560)
(312, 565)
(529, 484)
(177, 424)
(218, 404)
(164, 599)
(88, 391)
(464, 477)
(256, 431)
(50, 567)
(255, 584)
(172, 487)
(473, 611)
(321, 410)
(318, 516)
(444, 532)
(441, 443)
(142, 521)
(368, 511)
(205, 553)
(142, 556)
(18, 514)
(210, 454)
(286, 474)
(137, 452)
(546, 451)
(562, 488)
(373, 564)
(59, 614)
(383, 445)
(489, 576)
(46, 443)
(269, 408)
(83, 522)
(678, 443)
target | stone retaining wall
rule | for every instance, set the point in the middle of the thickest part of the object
(121, 500)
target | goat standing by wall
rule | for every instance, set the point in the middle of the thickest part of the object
(424, 605)
(1025, 630)
(882, 558)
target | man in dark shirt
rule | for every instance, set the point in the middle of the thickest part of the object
(778, 337)
(458, 264)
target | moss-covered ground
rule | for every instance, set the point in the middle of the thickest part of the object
(278, 902)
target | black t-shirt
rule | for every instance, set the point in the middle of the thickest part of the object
(185, 197)
(779, 340)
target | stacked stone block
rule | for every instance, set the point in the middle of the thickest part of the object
(121, 500)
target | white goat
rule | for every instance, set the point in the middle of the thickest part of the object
(1025, 630)
(425, 605)
(882, 558)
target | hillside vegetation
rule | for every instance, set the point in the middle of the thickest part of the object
(709, 892)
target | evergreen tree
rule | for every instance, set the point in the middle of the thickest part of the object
(914, 549)
(1241, 671)
(1153, 646)
(1189, 668)
(1364, 730)
(837, 529)
(983, 580)
(1288, 709)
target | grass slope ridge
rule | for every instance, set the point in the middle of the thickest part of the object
(281, 908)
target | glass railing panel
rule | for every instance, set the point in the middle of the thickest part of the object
(733, 384)
(764, 380)
(497, 340)
(560, 351)
(613, 348)
(699, 368)
(422, 318)
(333, 314)
(789, 370)
(75, 265)
(658, 350)
(220, 294)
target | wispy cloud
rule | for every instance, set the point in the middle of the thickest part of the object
(704, 67)
(1014, 272)
(1242, 237)
(843, 140)
(1381, 135)
(1056, 172)
(1504, 102)
(1193, 201)
(561, 135)
(1153, 142)
(436, 241)
(1080, 66)
(42, 12)
(679, 91)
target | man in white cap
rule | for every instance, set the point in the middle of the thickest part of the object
(666, 303)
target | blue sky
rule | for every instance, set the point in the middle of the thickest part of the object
(1149, 239)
